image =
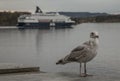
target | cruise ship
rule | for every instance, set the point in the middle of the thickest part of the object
(44, 20)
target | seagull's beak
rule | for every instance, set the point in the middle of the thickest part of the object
(57, 63)
(97, 36)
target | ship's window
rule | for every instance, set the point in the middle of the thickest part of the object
(21, 17)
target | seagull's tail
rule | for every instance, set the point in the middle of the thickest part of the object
(61, 61)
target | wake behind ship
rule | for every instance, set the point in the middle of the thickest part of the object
(44, 20)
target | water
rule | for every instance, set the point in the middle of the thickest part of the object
(45, 47)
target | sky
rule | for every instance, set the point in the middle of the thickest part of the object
(108, 6)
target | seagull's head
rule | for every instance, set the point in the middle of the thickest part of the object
(94, 34)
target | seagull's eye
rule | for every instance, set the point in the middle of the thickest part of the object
(92, 33)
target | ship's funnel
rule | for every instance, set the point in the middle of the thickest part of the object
(38, 10)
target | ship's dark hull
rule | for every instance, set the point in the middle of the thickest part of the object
(43, 25)
(33, 25)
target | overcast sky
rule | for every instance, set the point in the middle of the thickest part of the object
(109, 6)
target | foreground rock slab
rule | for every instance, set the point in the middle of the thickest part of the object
(16, 68)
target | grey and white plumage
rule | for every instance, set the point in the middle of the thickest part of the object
(83, 53)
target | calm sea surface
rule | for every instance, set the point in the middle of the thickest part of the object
(44, 47)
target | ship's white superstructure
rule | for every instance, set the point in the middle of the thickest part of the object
(44, 20)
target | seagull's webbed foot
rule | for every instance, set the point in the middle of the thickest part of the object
(84, 75)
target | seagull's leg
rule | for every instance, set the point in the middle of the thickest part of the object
(85, 69)
(80, 69)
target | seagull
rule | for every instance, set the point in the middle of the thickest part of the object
(83, 53)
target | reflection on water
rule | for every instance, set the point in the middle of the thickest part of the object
(45, 47)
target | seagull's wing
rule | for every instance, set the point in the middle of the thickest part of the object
(80, 48)
(78, 53)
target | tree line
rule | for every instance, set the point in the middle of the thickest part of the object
(98, 19)
(10, 18)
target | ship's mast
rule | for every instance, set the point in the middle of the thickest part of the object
(38, 10)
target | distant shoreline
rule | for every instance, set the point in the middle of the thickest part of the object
(10, 19)
(6, 27)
